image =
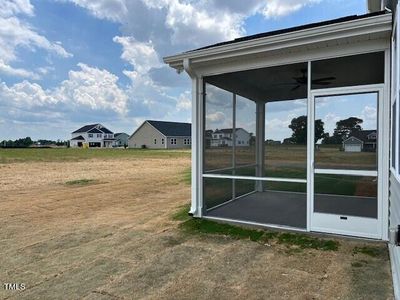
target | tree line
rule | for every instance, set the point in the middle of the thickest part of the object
(28, 142)
(342, 131)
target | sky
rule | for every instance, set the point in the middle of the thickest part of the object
(66, 63)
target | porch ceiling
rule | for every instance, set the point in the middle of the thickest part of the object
(278, 83)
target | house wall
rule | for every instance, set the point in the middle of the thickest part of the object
(179, 142)
(394, 198)
(242, 136)
(121, 140)
(145, 135)
(88, 139)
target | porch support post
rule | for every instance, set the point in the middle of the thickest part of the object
(260, 145)
(234, 145)
(196, 208)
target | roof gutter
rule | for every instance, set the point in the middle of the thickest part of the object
(374, 24)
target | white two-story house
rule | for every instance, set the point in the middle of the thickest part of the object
(224, 138)
(94, 135)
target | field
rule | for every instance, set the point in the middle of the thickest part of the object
(111, 224)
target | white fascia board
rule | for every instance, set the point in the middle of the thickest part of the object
(370, 25)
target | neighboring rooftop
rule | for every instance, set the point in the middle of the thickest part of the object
(78, 138)
(172, 128)
(119, 133)
(362, 135)
(93, 128)
(227, 130)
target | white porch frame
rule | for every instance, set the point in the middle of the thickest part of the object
(337, 40)
(328, 223)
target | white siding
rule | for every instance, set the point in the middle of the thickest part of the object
(394, 202)
(394, 222)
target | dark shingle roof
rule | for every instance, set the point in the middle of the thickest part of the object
(119, 133)
(172, 128)
(362, 135)
(95, 130)
(78, 138)
(105, 130)
(226, 130)
(85, 128)
(292, 29)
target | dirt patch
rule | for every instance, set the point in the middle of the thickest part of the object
(119, 240)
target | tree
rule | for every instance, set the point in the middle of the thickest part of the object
(299, 128)
(345, 127)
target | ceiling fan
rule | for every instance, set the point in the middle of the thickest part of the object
(303, 80)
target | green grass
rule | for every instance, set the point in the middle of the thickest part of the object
(81, 182)
(182, 213)
(201, 226)
(210, 227)
(370, 251)
(77, 154)
(305, 242)
(187, 176)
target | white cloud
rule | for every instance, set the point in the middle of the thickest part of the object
(280, 8)
(25, 95)
(184, 101)
(19, 72)
(113, 10)
(94, 88)
(139, 54)
(88, 89)
(13, 7)
(16, 33)
(217, 117)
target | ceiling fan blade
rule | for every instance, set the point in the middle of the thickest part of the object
(324, 79)
(321, 83)
(295, 88)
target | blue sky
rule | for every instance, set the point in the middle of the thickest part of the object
(64, 63)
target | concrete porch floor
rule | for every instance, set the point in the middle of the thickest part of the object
(290, 208)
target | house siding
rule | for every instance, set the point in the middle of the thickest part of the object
(179, 142)
(145, 135)
(394, 219)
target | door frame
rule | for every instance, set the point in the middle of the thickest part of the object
(324, 222)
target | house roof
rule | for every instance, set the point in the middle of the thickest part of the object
(95, 130)
(91, 127)
(362, 135)
(377, 24)
(119, 133)
(172, 128)
(85, 128)
(226, 130)
(292, 29)
(78, 138)
(105, 130)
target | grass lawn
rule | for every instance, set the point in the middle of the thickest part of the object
(75, 154)
(95, 224)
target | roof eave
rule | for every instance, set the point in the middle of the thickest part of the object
(373, 24)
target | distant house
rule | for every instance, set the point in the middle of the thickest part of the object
(161, 135)
(94, 135)
(272, 142)
(362, 140)
(224, 138)
(121, 139)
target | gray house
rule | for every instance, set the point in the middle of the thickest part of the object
(161, 135)
(362, 140)
(121, 139)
